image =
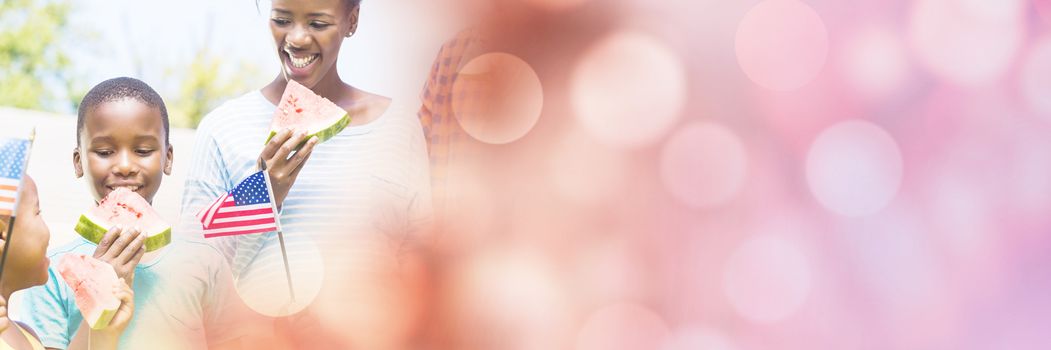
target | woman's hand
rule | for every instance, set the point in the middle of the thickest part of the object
(122, 248)
(282, 169)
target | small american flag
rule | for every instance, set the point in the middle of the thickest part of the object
(247, 209)
(13, 156)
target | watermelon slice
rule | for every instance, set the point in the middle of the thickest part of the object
(302, 109)
(93, 282)
(126, 208)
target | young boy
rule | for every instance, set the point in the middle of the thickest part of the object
(183, 291)
(26, 267)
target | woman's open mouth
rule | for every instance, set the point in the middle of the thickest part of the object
(299, 61)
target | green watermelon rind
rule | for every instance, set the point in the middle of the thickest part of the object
(104, 319)
(323, 134)
(94, 232)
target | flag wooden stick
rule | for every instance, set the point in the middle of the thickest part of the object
(284, 256)
(7, 244)
(280, 235)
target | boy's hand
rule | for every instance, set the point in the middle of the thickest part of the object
(107, 338)
(127, 308)
(4, 321)
(122, 248)
(282, 169)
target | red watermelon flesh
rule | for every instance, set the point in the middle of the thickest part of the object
(125, 208)
(93, 283)
(303, 110)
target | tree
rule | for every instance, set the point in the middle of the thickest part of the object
(204, 85)
(32, 65)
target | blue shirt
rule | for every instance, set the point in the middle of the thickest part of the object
(183, 300)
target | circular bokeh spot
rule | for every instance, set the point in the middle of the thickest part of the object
(781, 44)
(497, 98)
(854, 168)
(767, 279)
(263, 285)
(585, 171)
(622, 327)
(628, 89)
(875, 61)
(698, 338)
(968, 42)
(512, 295)
(703, 164)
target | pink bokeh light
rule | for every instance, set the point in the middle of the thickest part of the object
(704, 165)
(782, 44)
(967, 42)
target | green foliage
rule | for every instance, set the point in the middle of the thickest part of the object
(205, 85)
(30, 54)
(36, 71)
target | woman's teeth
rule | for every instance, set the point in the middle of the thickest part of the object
(300, 62)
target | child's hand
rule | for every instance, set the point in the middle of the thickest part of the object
(107, 338)
(282, 169)
(127, 308)
(4, 321)
(122, 248)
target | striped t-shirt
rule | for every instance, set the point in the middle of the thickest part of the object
(359, 193)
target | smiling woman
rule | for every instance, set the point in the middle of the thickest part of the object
(331, 197)
(308, 38)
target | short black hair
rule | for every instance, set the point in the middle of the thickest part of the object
(351, 4)
(118, 89)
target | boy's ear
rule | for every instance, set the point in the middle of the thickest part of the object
(77, 168)
(168, 161)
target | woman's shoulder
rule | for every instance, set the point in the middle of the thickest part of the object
(401, 114)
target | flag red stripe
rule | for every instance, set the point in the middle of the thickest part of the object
(7, 188)
(233, 213)
(222, 225)
(231, 233)
(205, 215)
(218, 203)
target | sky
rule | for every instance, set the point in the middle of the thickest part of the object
(151, 40)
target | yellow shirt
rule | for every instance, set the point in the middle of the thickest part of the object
(33, 342)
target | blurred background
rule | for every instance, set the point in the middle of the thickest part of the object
(776, 174)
